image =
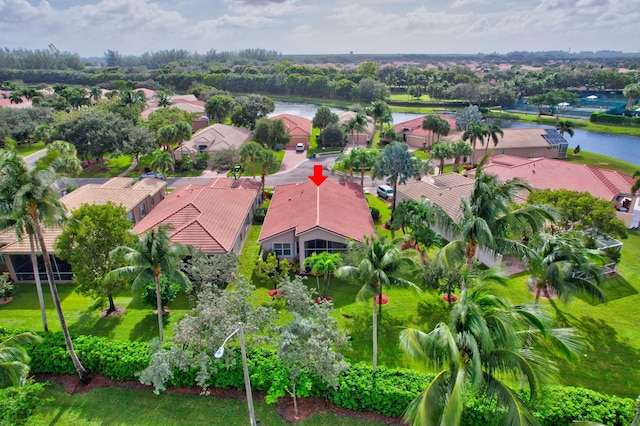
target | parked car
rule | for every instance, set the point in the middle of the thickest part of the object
(300, 147)
(151, 175)
(385, 191)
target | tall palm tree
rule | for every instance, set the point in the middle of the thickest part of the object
(162, 162)
(346, 163)
(475, 133)
(172, 135)
(35, 202)
(562, 265)
(153, 255)
(324, 263)
(377, 111)
(492, 133)
(380, 263)
(163, 98)
(565, 126)
(357, 123)
(481, 344)
(488, 219)
(269, 161)
(14, 360)
(95, 94)
(430, 123)
(250, 151)
(16, 97)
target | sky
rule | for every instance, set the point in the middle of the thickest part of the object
(323, 26)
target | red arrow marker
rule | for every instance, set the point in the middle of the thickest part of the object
(317, 177)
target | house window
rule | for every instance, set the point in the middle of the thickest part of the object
(143, 211)
(153, 201)
(318, 246)
(282, 249)
(131, 218)
(501, 151)
(202, 148)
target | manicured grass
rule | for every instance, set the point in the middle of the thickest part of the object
(250, 252)
(113, 167)
(602, 161)
(83, 314)
(385, 214)
(119, 406)
(27, 149)
(258, 166)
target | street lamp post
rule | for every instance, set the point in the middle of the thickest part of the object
(247, 382)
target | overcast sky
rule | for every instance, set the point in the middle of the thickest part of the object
(90, 27)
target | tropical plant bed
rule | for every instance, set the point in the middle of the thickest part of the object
(306, 406)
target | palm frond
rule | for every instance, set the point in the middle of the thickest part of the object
(518, 413)
(427, 408)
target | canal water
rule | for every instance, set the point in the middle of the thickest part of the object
(624, 147)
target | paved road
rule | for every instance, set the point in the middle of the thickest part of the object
(30, 160)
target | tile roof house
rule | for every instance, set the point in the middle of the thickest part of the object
(526, 143)
(304, 218)
(546, 173)
(299, 128)
(413, 134)
(138, 200)
(213, 138)
(214, 218)
(187, 103)
(357, 137)
(447, 191)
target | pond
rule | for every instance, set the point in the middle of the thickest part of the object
(624, 147)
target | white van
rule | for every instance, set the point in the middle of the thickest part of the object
(385, 191)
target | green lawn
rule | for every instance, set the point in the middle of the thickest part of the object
(602, 161)
(119, 406)
(258, 166)
(113, 167)
(29, 148)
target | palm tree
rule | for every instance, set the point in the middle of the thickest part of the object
(357, 123)
(30, 202)
(162, 162)
(251, 151)
(95, 93)
(430, 122)
(172, 135)
(631, 92)
(152, 255)
(14, 360)
(377, 111)
(380, 264)
(16, 97)
(475, 132)
(565, 126)
(163, 98)
(460, 149)
(561, 264)
(269, 161)
(488, 219)
(363, 160)
(346, 163)
(492, 133)
(442, 151)
(480, 345)
(324, 263)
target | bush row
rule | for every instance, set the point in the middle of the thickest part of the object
(597, 117)
(387, 392)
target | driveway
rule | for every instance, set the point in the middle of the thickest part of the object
(292, 159)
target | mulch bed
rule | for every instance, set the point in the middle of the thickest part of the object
(306, 406)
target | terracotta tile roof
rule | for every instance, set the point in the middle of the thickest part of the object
(348, 115)
(338, 208)
(445, 190)
(296, 126)
(215, 137)
(522, 138)
(546, 173)
(117, 190)
(414, 126)
(12, 245)
(209, 217)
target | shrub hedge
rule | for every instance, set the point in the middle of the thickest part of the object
(387, 392)
(598, 117)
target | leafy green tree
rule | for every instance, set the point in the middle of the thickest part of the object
(430, 123)
(150, 257)
(199, 334)
(248, 109)
(219, 107)
(631, 92)
(249, 152)
(166, 116)
(561, 265)
(134, 101)
(368, 70)
(580, 211)
(95, 93)
(140, 140)
(565, 126)
(209, 270)
(60, 156)
(310, 343)
(363, 160)
(324, 117)
(378, 263)
(369, 90)
(163, 98)
(172, 135)
(636, 183)
(324, 264)
(14, 360)
(416, 219)
(29, 200)
(442, 151)
(91, 233)
(332, 135)
(398, 164)
(476, 349)
(469, 115)
(415, 91)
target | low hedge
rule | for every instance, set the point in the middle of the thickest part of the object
(387, 392)
(598, 117)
